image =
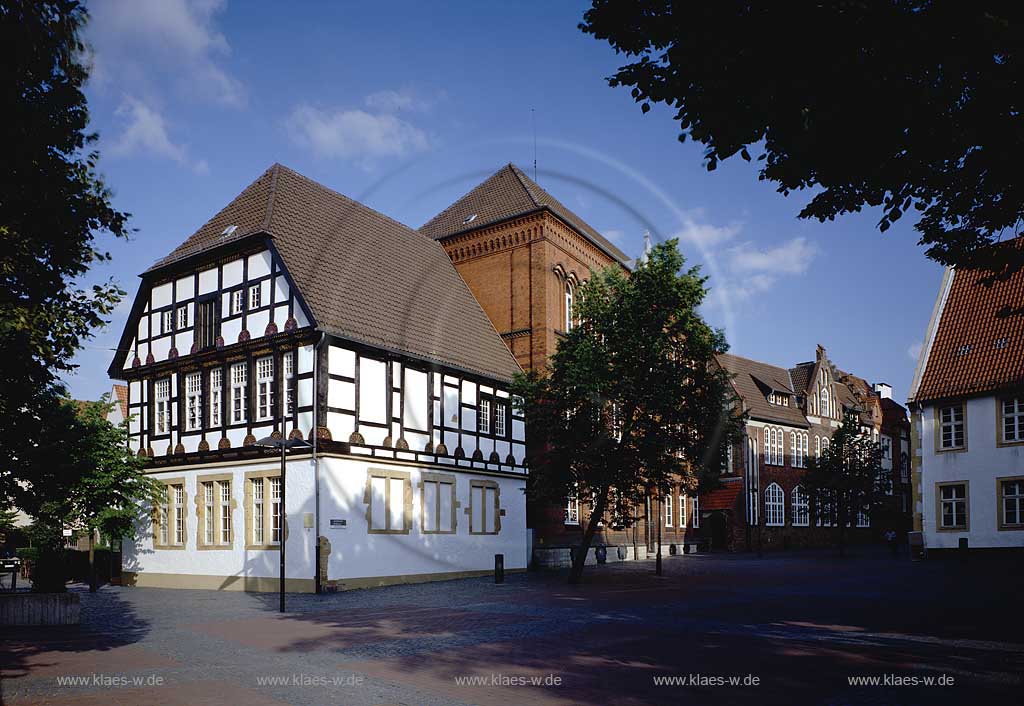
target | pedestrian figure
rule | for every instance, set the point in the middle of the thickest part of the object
(890, 537)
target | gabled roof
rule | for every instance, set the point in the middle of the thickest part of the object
(509, 193)
(365, 277)
(978, 343)
(120, 398)
(747, 374)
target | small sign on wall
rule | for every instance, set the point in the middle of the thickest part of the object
(307, 520)
(339, 524)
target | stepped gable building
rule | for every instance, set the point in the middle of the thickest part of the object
(792, 415)
(296, 311)
(967, 402)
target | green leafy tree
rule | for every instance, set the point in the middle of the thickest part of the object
(52, 206)
(88, 479)
(632, 399)
(847, 478)
(908, 104)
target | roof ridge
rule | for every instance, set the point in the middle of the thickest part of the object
(519, 177)
(275, 169)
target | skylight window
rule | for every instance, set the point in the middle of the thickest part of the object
(964, 349)
(1002, 342)
(470, 218)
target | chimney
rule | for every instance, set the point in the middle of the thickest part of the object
(884, 390)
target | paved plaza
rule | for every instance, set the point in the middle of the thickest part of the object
(786, 628)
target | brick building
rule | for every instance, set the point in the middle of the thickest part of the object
(523, 254)
(792, 415)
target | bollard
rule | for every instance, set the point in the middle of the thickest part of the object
(499, 568)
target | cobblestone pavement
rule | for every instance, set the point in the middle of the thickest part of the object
(798, 623)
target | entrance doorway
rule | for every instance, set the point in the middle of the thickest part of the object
(718, 524)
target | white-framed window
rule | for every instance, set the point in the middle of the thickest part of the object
(668, 512)
(1012, 416)
(753, 507)
(483, 507)
(163, 515)
(682, 511)
(568, 306)
(239, 393)
(767, 445)
(265, 387)
(572, 508)
(1011, 503)
(179, 513)
(500, 414)
(257, 511)
(182, 317)
(863, 517)
(794, 450)
(288, 381)
(275, 510)
(162, 397)
(825, 509)
(237, 301)
(817, 446)
(825, 407)
(774, 506)
(193, 401)
(886, 447)
(225, 512)
(210, 505)
(255, 296)
(483, 420)
(824, 444)
(951, 427)
(801, 507)
(166, 321)
(216, 396)
(953, 506)
(696, 511)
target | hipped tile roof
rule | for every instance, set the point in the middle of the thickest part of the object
(364, 276)
(509, 193)
(979, 339)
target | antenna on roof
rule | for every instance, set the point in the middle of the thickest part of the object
(533, 119)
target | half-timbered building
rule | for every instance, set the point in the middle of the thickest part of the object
(298, 312)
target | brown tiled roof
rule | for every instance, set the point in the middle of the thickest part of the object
(121, 399)
(893, 413)
(509, 193)
(746, 376)
(723, 498)
(801, 377)
(979, 341)
(364, 276)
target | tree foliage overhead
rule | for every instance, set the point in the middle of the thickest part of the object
(52, 206)
(633, 399)
(902, 104)
(847, 477)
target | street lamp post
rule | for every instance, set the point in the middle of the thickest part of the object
(284, 444)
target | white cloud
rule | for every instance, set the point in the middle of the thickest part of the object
(403, 99)
(793, 257)
(138, 45)
(146, 132)
(615, 235)
(705, 235)
(354, 133)
(914, 352)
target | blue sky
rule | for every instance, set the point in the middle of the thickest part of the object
(406, 106)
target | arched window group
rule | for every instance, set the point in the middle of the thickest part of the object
(774, 506)
(774, 446)
(569, 283)
(798, 443)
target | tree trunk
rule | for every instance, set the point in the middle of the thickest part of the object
(843, 518)
(576, 573)
(92, 561)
